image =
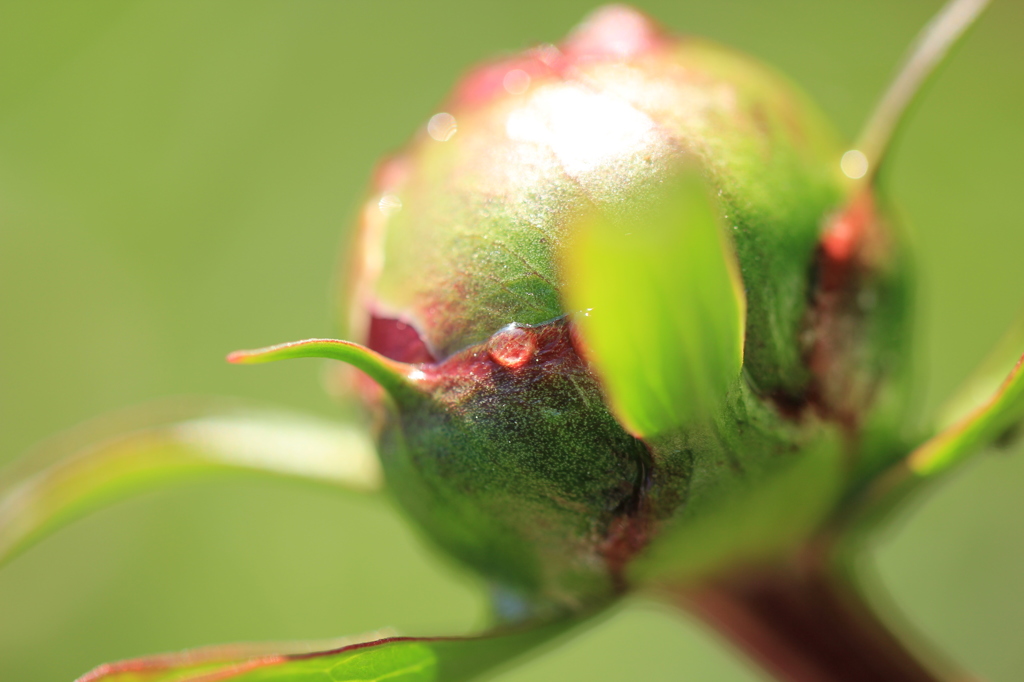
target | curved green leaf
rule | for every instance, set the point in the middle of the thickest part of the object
(985, 381)
(982, 426)
(58, 483)
(985, 410)
(395, 659)
(985, 424)
(663, 303)
(397, 378)
(988, 406)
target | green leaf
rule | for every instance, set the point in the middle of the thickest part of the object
(395, 659)
(59, 483)
(662, 302)
(985, 410)
(980, 423)
(985, 424)
(987, 378)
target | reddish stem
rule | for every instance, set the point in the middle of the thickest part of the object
(806, 625)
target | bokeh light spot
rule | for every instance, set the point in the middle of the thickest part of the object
(516, 81)
(442, 126)
(854, 164)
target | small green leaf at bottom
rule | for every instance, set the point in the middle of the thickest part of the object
(395, 659)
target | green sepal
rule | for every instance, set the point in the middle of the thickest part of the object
(984, 425)
(54, 485)
(987, 378)
(989, 405)
(397, 378)
(395, 659)
(662, 303)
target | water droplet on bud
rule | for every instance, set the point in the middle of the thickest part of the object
(512, 347)
(442, 126)
(389, 204)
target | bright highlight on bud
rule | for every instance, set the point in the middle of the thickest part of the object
(583, 128)
(854, 164)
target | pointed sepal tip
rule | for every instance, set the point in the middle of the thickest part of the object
(397, 378)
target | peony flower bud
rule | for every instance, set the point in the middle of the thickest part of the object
(625, 314)
(510, 456)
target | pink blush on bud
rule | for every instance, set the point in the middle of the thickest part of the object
(614, 32)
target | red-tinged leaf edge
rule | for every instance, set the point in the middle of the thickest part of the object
(398, 659)
(981, 427)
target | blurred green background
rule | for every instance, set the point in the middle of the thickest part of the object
(176, 180)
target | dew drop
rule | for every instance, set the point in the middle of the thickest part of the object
(442, 126)
(854, 164)
(516, 81)
(512, 347)
(389, 204)
(547, 54)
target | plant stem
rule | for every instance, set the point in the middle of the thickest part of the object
(806, 623)
(926, 54)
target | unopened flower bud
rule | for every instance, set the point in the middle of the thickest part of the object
(513, 458)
